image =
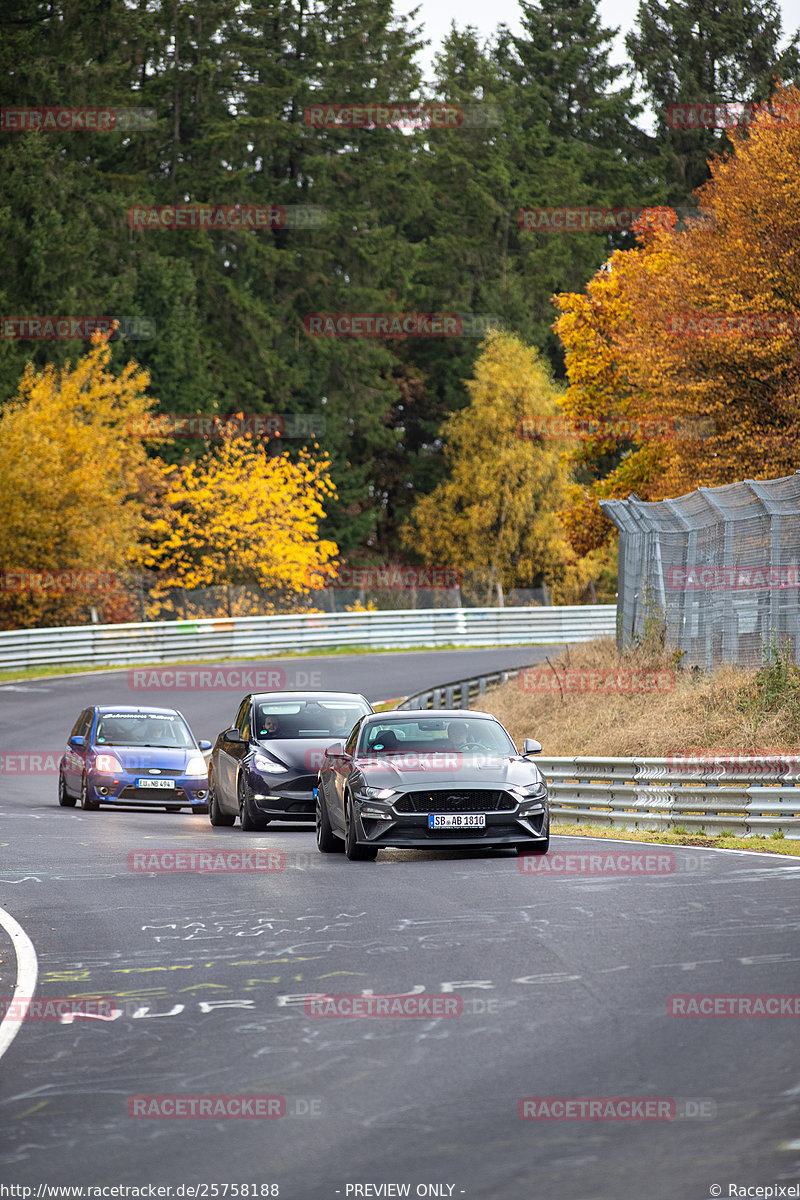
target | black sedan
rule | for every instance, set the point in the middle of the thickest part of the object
(408, 778)
(264, 768)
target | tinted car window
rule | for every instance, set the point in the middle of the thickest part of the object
(142, 729)
(86, 723)
(76, 728)
(306, 719)
(350, 744)
(244, 721)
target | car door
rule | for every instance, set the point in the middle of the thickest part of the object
(75, 757)
(230, 756)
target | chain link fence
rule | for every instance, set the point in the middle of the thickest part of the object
(717, 571)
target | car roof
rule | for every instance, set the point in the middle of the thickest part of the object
(437, 713)
(131, 710)
(308, 695)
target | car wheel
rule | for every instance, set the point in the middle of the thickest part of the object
(250, 818)
(64, 798)
(352, 849)
(327, 841)
(87, 804)
(218, 817)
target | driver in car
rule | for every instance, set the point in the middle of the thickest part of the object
(270, 726)
(457, 732)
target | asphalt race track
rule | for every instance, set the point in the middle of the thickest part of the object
(561, 978)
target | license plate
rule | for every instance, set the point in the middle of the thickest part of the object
(155, 783)
(456, 821)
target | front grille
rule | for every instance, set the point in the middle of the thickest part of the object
(301, 788)
(452, 800)
(144, 772)
(401, 835)
(152, 795)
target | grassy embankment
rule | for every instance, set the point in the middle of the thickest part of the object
(732, 711)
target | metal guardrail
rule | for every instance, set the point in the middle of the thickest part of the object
(247, 637)
(461, 692)
(758, 795)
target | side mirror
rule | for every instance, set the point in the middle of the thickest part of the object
(335, 750)
(232, 735)
(531, 746)
(204, 745)
(76, 741)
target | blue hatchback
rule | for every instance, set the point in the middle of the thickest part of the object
(120, 756)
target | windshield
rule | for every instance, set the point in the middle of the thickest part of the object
(306, 719)
(435, 734)
(143, 729)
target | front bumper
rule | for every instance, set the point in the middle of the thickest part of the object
(288, 798)
(521, 825)
(189, 791)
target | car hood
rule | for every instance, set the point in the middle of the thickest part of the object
(142, 758)
(447, 770)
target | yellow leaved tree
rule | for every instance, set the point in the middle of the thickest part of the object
(69, 471)
(494, 515)
(238, 517)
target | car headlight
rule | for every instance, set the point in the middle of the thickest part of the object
(108, 764)
(529, 791)
(196, 765)
(269, 765)
(373, 793)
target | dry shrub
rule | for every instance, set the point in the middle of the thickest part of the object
(717, 712)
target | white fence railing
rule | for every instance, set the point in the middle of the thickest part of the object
(247, 637)
(742, 795)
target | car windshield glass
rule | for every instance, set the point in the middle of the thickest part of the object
(160, 730)
(433, 734)
(306, 719)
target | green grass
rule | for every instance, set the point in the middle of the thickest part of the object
(723, 841)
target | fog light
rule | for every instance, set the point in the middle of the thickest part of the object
(201, 795)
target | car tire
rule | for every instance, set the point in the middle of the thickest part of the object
(216, 815)
(86, 804)
(64, 798)
(352, 849)
(327, 841)
(250, 818)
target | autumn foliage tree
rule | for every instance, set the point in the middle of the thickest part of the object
(69, 477)
(238, 516)
(698, 329)
(494, 515)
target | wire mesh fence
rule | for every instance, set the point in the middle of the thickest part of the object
(716, 571)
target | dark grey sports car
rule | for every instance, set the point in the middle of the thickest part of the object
(264, 768)
(427, 778)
